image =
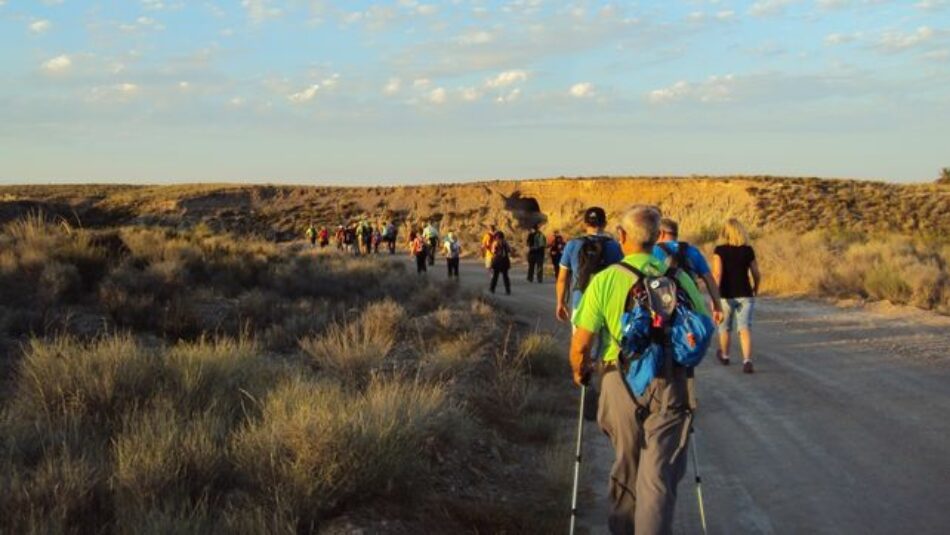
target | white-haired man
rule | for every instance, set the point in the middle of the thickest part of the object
(648, 432)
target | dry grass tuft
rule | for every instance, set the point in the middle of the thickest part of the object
(318, 446)
(351, 350)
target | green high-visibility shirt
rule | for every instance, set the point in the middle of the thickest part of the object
(602, 306)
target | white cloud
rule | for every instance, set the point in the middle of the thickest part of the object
(511, 96)
(713, 89)
(142, 23)
(833, 4)
(331, 81)
(236, 102)
(899, 41)
(480, 37)
(421, 83)
(928, 5)
(114, 93)
(938, 55)
(582, 90)
(769, 7)
(127, 88)
(306, 95)
(437, 96)
(841, 38)
(506, 78)
(725, 15)
(184, 85)
(58, 64)
(470, 94)
(260, 10)
(40, 26)
(392, 86)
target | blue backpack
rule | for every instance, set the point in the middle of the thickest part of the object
(659, 323)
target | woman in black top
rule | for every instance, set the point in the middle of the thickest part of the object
(733, 263)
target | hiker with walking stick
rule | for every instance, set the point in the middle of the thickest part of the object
(654, 329)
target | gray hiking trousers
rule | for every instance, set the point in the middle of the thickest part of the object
(650, 455)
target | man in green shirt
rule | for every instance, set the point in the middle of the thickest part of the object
(648, 465)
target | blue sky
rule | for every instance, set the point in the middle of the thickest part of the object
(354, 92)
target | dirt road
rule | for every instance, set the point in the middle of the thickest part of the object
(845, 427)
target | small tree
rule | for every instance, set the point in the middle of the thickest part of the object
(944, 176)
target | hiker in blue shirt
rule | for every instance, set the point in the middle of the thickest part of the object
(582, 258)
(689, 259)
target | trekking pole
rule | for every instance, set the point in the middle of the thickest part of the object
(577, 458)
(699, 481)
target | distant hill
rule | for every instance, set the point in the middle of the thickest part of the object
(700, 203)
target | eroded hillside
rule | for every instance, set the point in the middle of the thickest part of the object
(280, 212)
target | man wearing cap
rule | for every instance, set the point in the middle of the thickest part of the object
(595, 219)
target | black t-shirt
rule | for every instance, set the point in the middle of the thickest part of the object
(735, 270)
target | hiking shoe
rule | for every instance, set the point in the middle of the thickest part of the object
(723, 359)
(747, 367)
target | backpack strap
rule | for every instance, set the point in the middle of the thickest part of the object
(682, 261)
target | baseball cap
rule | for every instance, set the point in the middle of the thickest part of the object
(595, 216)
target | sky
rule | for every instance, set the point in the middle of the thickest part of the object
(355, 92)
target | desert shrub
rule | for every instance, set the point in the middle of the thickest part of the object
(165, 457)
(451, 357)
(62, 493)
(62, 379)
(883, 282)
(225, 375)
(542, 354)
(351, 350)
(318, 446)
(43, 263)
(792, 263)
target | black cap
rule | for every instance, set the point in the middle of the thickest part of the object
(595, 217)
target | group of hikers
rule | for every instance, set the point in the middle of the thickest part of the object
(358, 237)
(640, 324)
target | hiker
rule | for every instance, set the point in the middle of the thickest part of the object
(365, 233)
(453, 250)
(352, 239)
(323, 236)
(431, 234)
(376, 239)
(500, 262)
(417, 249)
(647, 429)
(312, 235)
(733, 262)
(537, 244)
(681, 255)
(340, 237)
(389, 236)
(487, 239)
(556, 249)
(582, 258)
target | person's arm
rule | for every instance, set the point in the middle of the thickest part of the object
(562, 289)
(713, 288)
(717, 270)
(756, 277)
(581, 343)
